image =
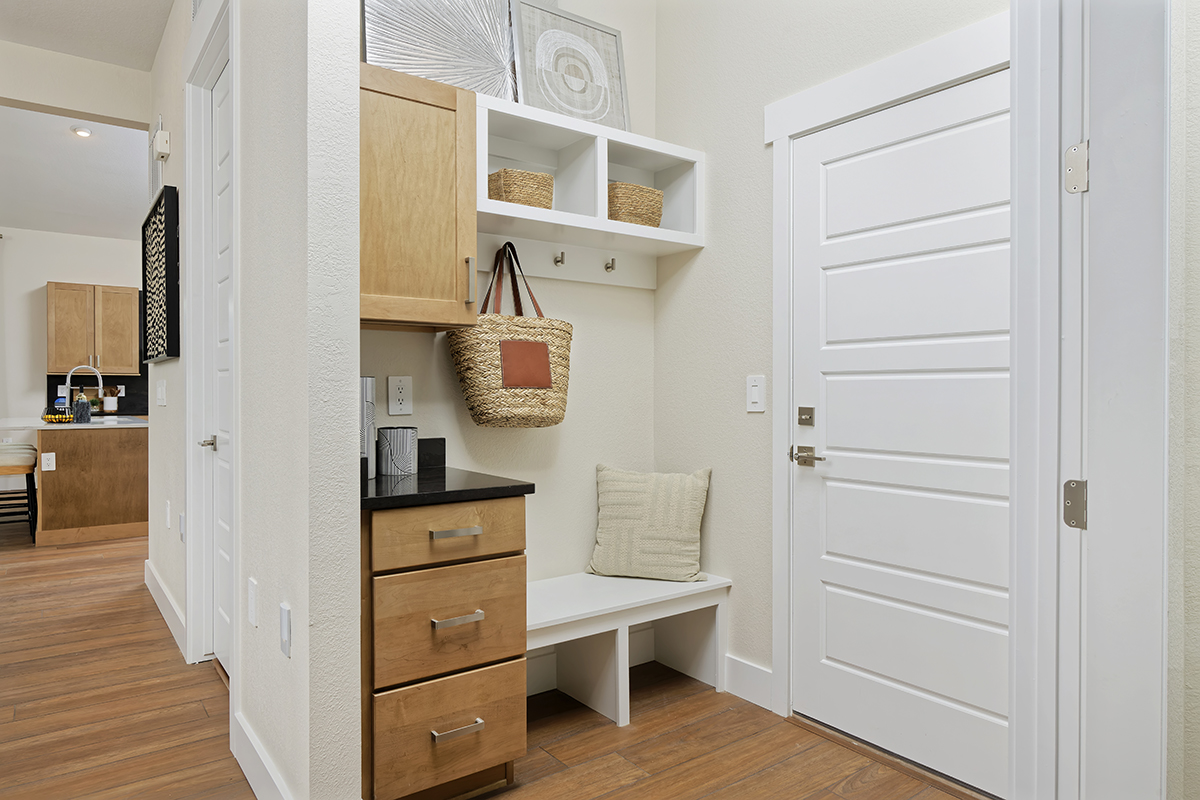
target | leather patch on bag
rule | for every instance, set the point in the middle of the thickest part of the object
(525, 365)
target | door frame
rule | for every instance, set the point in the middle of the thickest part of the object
(209, 52)
(972, 52)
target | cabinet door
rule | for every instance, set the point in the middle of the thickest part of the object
(417, 200)
(117, 331)
(70, 326)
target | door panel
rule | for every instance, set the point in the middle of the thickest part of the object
(901, 318)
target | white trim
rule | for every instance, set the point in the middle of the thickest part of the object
(968, 53)
(172, 614)
(964, 55)
(265, 779)
(750, 682)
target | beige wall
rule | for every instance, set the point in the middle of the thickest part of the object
(168, 438)
(73, 86)
(717, 69)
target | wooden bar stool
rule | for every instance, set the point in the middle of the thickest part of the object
(20, 459)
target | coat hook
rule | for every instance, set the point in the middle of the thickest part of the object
(611, 265)
(560, 259)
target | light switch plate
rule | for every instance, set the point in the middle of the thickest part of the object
(756, 393)
(7, 440)
(400, 391)
(252, 601)
(285, 629)
(182, 535)
(48, 462)
(162, 392)
(168, 515)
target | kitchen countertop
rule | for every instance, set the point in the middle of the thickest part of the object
(434, 485)
(98, 421)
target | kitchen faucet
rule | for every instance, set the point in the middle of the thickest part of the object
(99, 377)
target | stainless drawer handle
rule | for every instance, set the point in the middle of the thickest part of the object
(438, 624)
(453, 532)
(477, 725)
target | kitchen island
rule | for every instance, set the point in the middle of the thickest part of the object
(98, 485)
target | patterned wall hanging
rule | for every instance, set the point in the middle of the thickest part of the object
(465, 43)
(160, 278)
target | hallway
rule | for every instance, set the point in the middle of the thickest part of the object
(95, 699)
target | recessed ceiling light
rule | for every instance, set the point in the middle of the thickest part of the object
(79, 130)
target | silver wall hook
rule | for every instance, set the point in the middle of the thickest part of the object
(611, 265)
(560, 259)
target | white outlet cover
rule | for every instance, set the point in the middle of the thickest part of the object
(120, 390)
(62, 390)
(48, 462)
(400, 394)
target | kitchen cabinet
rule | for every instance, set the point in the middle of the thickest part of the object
(416, 202)
(443, 636)
(93, 325)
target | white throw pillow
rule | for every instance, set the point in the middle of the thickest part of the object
(649, 524)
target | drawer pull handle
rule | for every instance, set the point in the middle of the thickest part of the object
(477, 725)
(438, 624)
(453, 532)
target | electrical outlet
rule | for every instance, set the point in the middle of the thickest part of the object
(168, 515)
(252, 601)
(756, 393)
(182, 536)
(48, 462)
(7, 440)
(121, 391)
(285, 629)
(62, 390)
(400, 392)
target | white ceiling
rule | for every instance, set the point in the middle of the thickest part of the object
(53, 180)
(124, 32)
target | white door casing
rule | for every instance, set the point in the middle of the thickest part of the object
(901, 277)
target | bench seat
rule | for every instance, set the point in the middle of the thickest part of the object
(587, 617)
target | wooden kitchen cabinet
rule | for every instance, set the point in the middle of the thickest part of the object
(93, 325)
(417, 202)
(443, 648)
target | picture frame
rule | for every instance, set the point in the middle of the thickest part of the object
(443, 41)
(568, 64)
(160, 278)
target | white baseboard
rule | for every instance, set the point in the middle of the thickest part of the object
(748, 681)
(170, 610)
(264, 777)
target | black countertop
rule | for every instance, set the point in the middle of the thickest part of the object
(434, 485)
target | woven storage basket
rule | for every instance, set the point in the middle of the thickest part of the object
(629, 202)
(477, 359)
(520, 186)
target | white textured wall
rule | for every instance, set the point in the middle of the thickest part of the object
(59, 83)
(717, 68)
(168, 433)
(610, 412)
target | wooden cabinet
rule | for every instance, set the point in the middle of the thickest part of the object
(443, 648)
(417, 202)
(93, 325)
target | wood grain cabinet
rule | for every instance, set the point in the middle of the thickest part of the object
(93, 325)
(443, 648)
(417, 202)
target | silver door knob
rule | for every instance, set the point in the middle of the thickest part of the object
(209, 442)
(804, 456)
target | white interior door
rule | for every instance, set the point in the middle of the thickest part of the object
(219, 364)
(901, 323)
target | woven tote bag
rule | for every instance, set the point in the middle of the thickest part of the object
(513, 370)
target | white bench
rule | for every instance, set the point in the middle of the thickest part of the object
(588, 616)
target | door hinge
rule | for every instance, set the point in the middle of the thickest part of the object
(1075, 504)
(1075, 178)
(805, 415)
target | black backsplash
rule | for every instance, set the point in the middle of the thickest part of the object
(135, 403)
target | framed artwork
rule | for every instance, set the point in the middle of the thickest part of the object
(569, 65)
(160, 278)
(465, 43)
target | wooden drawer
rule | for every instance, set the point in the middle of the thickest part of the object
(408, 647)
(408, 759)
(413, 537)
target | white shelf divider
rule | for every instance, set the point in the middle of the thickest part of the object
(583, 157)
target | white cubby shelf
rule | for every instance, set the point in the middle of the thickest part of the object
(583, 157)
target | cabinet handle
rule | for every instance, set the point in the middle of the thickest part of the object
(453, 532)
(477, 725)
(476, 616)
(471, 280)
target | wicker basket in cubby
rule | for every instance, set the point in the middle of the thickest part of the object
(521, 186)
(629, 202)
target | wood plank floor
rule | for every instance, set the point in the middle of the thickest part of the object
(686, 742)
(95, 698)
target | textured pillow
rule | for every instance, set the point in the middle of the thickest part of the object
(649, 524)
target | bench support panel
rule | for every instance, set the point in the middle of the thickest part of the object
(694, 644)
(595, 671)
